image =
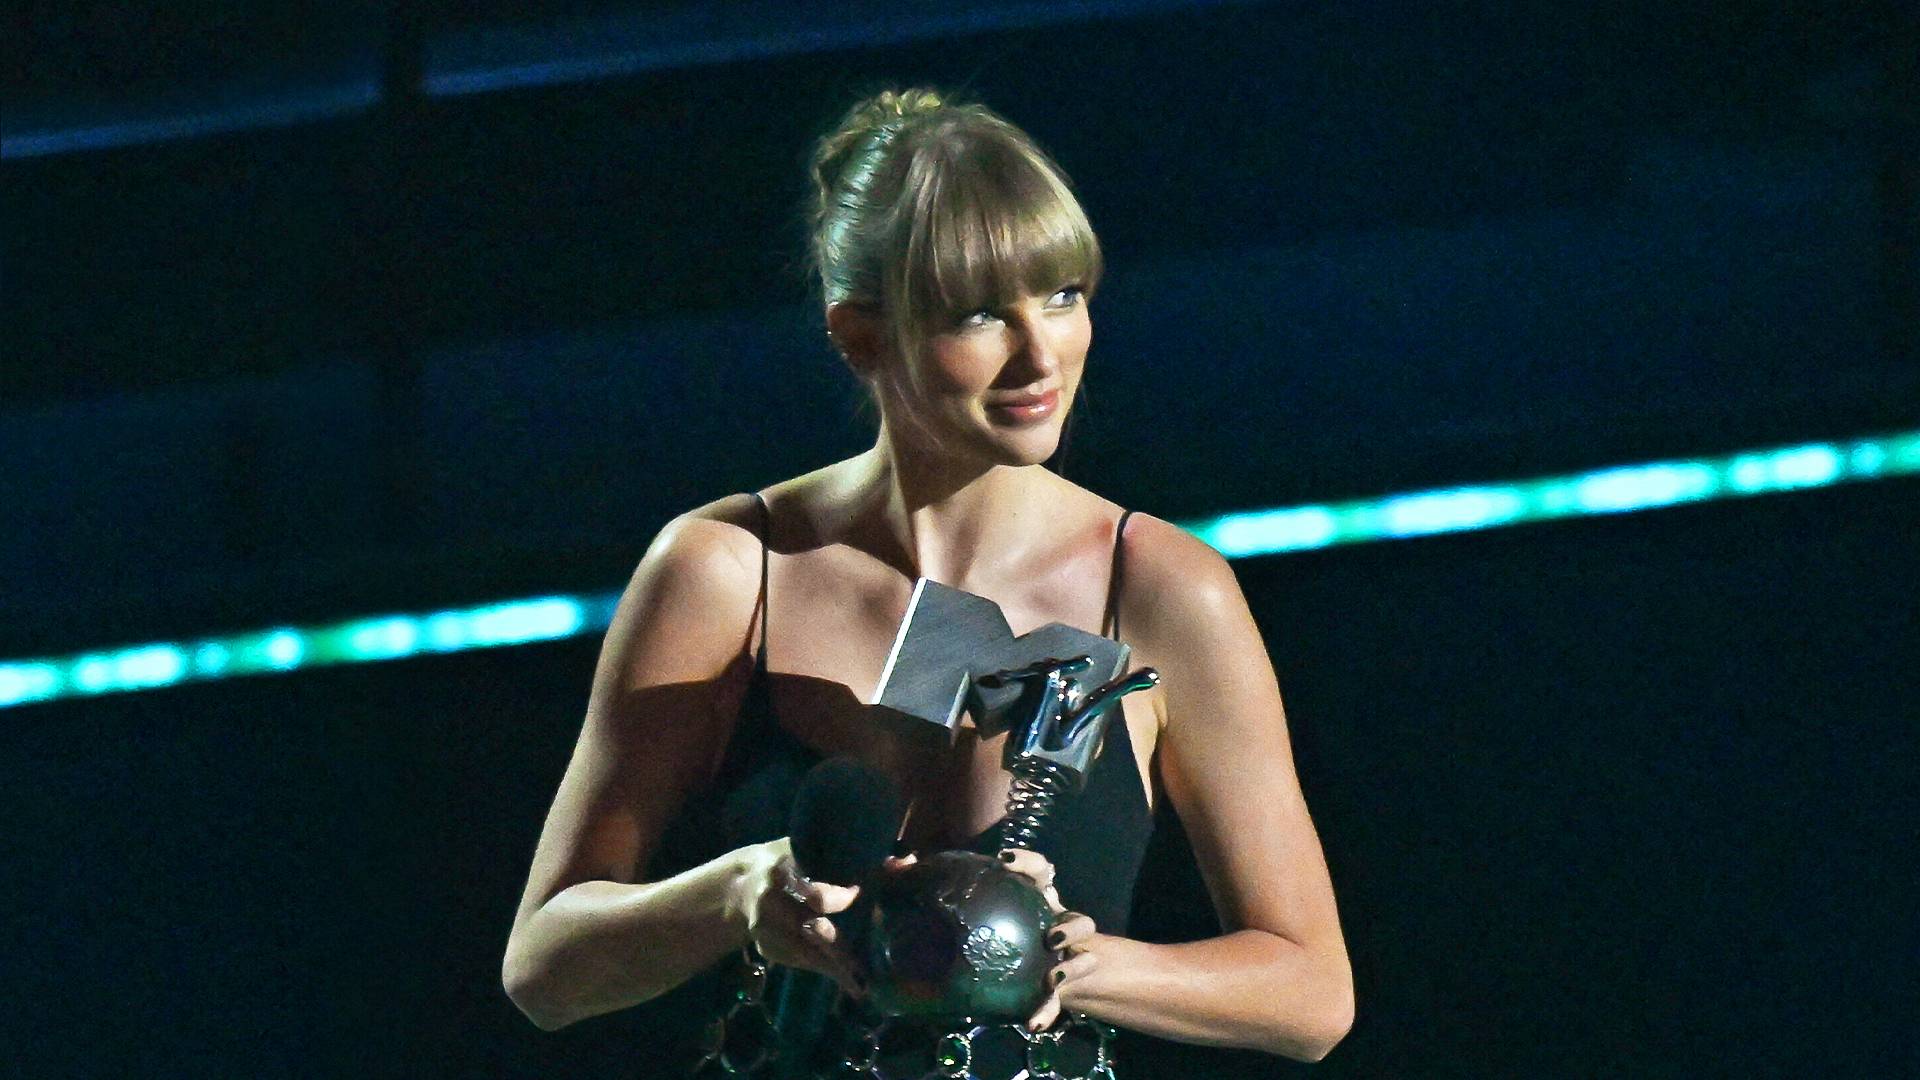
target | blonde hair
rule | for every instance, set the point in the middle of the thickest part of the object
(926, 210)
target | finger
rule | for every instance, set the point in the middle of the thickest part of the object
(802, 945)
(1030, 864)
(1073, 967)
(789, 924)
(1071, 931)
(787, 879)
(1062, 974)
(821, 929)
(787, 945)
(1046, 1014)
(828, 899)
(901, 862)
(1052, 896)
(818, 896)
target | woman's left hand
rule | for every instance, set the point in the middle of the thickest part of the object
(1069, 938)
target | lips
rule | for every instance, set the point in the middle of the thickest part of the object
(1026, 408)
(1027, 400)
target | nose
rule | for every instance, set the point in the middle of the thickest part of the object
(1036, 353)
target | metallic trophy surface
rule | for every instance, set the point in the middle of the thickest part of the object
(950, 641)
(958, 935)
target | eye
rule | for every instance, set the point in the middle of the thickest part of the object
(976, 318)
(1067, 297)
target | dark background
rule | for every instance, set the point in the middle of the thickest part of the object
(318, 310)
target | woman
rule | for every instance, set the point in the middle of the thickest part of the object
(957, 269)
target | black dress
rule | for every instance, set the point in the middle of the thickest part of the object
(1096, 842)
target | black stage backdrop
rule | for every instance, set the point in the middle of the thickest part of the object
(1613, 796)
(1630, 796)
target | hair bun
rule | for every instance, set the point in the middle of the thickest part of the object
(901, 104)
(888, 108)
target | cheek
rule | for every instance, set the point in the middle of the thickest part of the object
(959, 369)
(1075, 349)
(932, 389)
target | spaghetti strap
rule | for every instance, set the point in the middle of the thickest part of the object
(1115, 578)
(766, 540)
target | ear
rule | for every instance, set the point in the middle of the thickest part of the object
(857, 335)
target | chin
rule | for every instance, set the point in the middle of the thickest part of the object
(1028, 448)
(999, 445)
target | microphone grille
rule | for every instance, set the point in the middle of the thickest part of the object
(845, 817)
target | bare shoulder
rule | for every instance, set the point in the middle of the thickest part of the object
(1175, 586)
(712, 546)
(689, 608)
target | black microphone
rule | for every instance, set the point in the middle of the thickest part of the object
(845, 818)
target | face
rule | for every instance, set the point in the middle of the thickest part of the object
(995, 385)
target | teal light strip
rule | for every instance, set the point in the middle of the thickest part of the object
(1620, 490)
(1625, 489)
(386, 637)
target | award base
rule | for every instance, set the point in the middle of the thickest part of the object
(957, 936)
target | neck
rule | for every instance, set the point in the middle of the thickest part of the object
(944, 518)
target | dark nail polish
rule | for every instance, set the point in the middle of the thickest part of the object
(1057, 977)
(1056, 939)
(1006, 856)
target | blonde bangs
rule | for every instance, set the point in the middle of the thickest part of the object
(991, 222)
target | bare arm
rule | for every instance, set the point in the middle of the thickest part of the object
(587, 939)
(1278, 979)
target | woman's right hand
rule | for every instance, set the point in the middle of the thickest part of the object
(786, 915)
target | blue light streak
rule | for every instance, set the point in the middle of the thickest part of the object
(1618, 490)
